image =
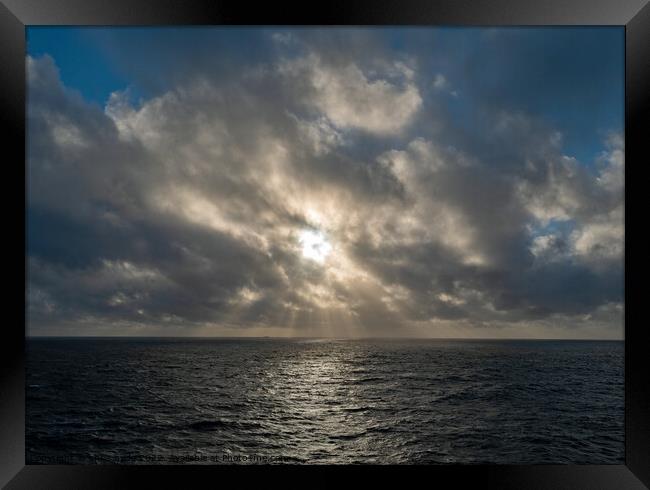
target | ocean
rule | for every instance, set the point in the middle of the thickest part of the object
(249, 401)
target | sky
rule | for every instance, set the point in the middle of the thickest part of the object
(325, 182)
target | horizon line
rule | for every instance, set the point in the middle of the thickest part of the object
(269, 337)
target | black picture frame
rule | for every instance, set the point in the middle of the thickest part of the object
(15, 15)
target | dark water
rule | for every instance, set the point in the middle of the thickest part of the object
(206, 401)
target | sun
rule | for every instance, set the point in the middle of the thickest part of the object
(314, 245)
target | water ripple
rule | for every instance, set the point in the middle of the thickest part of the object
(305, 401)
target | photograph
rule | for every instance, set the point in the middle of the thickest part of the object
(373, 245)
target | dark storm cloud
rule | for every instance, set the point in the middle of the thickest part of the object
(185, 213)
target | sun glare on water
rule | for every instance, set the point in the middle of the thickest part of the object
(314, 245)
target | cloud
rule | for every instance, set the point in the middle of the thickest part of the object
(600, 238)
(186, 213)
(440, 82)
(350, 99)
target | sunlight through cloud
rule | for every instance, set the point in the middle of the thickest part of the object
(314, 245)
